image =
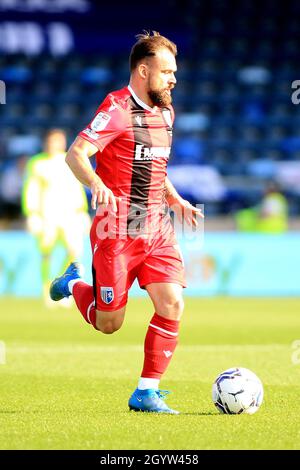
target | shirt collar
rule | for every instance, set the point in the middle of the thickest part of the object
(140, 102)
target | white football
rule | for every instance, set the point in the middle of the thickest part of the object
(236, 391)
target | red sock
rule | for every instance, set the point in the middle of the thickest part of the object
(84, 297)
(160, 343)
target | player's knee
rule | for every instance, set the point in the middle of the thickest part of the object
(178, 307)
(173, 308)
(109, 326)
(109, 322)
(109, 329)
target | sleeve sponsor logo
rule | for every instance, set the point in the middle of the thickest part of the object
(100, 121)
(91, 134)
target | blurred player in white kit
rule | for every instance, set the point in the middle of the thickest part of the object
(55, 205)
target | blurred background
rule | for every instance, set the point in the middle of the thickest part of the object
(236, 144)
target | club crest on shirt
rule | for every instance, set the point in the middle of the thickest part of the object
(100, 121)
(107, 294)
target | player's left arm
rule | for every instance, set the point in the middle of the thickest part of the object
(182, 208)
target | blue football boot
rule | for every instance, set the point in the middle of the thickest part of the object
(150, 400)
(59, 287)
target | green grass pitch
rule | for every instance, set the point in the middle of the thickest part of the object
(66, 386)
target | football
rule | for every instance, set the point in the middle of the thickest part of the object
(236, 391)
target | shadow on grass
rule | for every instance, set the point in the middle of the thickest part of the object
(195, 413)
(8, 411)
(208, 413)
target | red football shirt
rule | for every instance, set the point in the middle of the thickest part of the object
(134, 143)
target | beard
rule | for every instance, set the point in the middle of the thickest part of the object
(160, 98)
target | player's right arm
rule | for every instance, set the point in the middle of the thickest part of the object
(78, 160)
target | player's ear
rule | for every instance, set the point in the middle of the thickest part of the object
(143, 70)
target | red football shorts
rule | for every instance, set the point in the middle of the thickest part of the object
(117, 262)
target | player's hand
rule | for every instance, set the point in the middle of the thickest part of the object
(102, 195)
(185, 211)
